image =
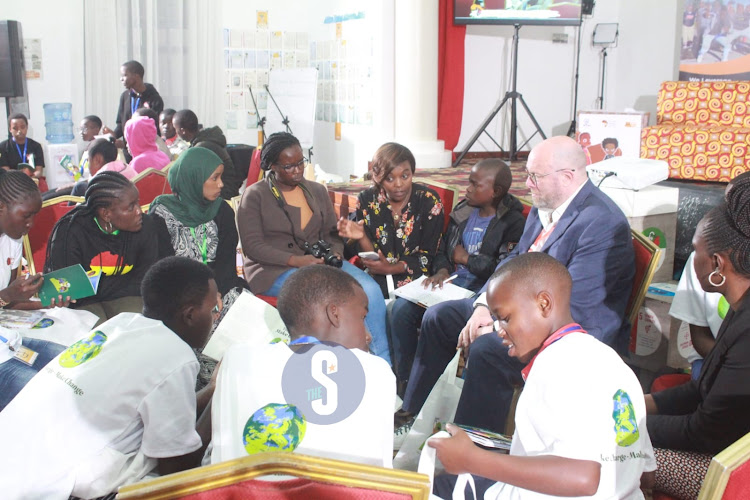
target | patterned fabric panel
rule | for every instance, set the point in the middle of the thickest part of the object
(699, 152)
(715, 103)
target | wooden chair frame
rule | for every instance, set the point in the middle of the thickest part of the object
(28, 252)
(640, 294)
(722, 466)
(317, 469)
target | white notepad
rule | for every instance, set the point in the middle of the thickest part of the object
(416, 293)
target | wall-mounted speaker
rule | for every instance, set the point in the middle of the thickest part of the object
(12, 71)
(587, 7)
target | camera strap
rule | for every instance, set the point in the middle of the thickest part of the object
(282, 204)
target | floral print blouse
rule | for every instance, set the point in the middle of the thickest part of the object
(412, 238)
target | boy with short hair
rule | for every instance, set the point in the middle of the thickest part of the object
(174, 142)
(481, 232)
(19, 148)
(322, 395)
(581, 419)
(120, 402)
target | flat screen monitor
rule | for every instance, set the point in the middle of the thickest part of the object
(539, 12)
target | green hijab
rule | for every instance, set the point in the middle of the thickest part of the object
(186, 177)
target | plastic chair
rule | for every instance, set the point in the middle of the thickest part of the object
(35, 243)
(646, 262)
(151, 183)
(316, 478)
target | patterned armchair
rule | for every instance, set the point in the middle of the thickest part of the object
(702, 130)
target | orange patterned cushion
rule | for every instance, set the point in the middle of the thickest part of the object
(714, 103)
(702, 131)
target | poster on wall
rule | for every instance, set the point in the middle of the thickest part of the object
(32, 54)
(605, 134)
(715, 40)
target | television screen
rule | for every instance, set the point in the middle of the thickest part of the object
(554, 12)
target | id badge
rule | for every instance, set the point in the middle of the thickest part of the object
(25, 355)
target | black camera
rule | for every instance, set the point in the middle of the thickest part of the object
(322, 250)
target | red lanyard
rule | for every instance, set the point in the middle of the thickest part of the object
(562, 332)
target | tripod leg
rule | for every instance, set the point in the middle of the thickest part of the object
(481, 129)
(531, 115)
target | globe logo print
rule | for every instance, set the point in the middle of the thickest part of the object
(83, 350)
(626, 425)
(274, 427)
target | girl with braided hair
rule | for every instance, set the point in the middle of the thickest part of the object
(279, 217)
(20, 201)
(692, 422)
(110, 234)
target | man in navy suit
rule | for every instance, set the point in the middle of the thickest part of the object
(573, 221)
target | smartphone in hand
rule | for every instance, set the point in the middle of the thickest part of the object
(369, 255)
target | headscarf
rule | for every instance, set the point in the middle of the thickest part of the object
(186, 177)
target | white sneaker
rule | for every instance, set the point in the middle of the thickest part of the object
(399, 435)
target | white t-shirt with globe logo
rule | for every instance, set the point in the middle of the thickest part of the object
(327, 401)
(695, 306)
(100, 414)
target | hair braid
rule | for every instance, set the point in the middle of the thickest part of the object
(103, 189)
(15, 187)
(273, 147)
(727, 227)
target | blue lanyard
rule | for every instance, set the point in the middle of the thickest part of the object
(307, 339)
(135, 106)
(25, 145)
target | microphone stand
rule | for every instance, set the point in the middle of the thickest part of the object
(285, 118)
(261, 120)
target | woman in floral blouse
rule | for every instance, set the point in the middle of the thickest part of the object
(400, 220)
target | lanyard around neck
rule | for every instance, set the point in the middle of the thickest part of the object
(562, 332)
(18, 148)
(307, 339)
(203, 245)
(134, 105)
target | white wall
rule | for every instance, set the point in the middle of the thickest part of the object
(358, 143)
(645, 56)
(60, 27)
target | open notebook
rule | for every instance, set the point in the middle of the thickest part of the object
(416, 293)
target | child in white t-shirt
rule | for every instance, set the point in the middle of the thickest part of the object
(119, 402)
(322, 395)
(581, 419)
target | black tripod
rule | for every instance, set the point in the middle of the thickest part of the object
(513, 95)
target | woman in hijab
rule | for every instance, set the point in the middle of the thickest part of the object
(200, 223)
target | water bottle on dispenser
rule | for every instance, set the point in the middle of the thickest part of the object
(58, 122)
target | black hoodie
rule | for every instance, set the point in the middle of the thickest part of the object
(213, 138)
(505, 228)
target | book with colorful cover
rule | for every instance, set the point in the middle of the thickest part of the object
(15, 318)
(485, 438)
(73, 282)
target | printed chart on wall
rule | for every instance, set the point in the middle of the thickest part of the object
(249, 56)
(715, 40)
(345, 67)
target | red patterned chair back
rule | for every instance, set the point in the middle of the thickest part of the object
(646, 262)
(704, 103)
(35, 243)
(448, 195)
(254, 173)
(150, 184)
(728, 476)
(315, 478)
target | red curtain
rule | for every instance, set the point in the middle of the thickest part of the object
(450, 76)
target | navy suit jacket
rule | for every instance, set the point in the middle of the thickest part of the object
(593, 240)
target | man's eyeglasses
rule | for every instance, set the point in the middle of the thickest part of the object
(288, 168)
(534, 178)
